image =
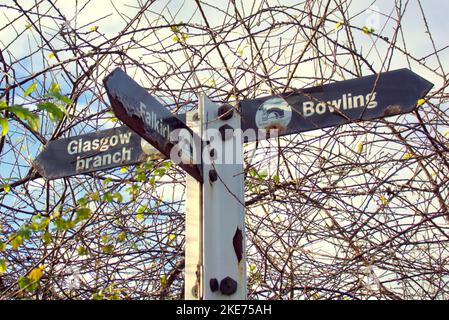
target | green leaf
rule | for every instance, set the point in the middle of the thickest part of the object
(16, 241)
(27, 115)
(141, 209)
(174, 28)
(83, 214)
(54, 87)
(47, 237)
(4, 124)
(60, 97)
(98, 296)
(82, 201)
(27, 284)
(108, 248)
(121, 236)
(54, 112)
(82, 251)
(23, 282)
(31, 88)
(118, 196)
(95, 196)
(163, 280)
(62, 224)
(21, 112)
(108, 197)
(106, 181)
(105, 238)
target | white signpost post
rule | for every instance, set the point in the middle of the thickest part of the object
(215, 216)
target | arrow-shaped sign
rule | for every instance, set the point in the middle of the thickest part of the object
(91, 152)
(390, 93)
(141, 112)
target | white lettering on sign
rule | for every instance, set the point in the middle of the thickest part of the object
(154, 122)
(346, 102)
(101, 144)
(103, 160)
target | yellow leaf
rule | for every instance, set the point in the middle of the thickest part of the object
(338, 25)
(2, 266)
(123, 169)
(367, 30)
(94, 28)
(171, 237)
(4, 124)
(360, 147)
(240, 51)
(51, 55)
(383, 199)
(421, 102)
(407, 156)
(36, 274)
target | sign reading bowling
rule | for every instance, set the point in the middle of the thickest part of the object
(366, 98)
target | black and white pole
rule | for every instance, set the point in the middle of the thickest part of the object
(215, 221)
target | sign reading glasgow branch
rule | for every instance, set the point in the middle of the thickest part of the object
(141, 112)
(91, 152)
(390, 93)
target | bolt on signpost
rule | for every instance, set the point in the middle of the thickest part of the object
(215, 265)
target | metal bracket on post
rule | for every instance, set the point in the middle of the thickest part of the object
(215, 211)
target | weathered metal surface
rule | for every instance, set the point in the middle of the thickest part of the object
(223, 207)
(100, 150)
(141, 112)
(371, 97)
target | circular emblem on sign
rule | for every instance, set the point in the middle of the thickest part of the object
(274, 114)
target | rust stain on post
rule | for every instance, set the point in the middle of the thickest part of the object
(237, 242)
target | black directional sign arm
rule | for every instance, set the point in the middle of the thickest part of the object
(100, 150)
(141, 112)
(376, 96)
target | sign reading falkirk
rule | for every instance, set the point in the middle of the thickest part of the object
(141, 112)
(376, 96)
(91, 152)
